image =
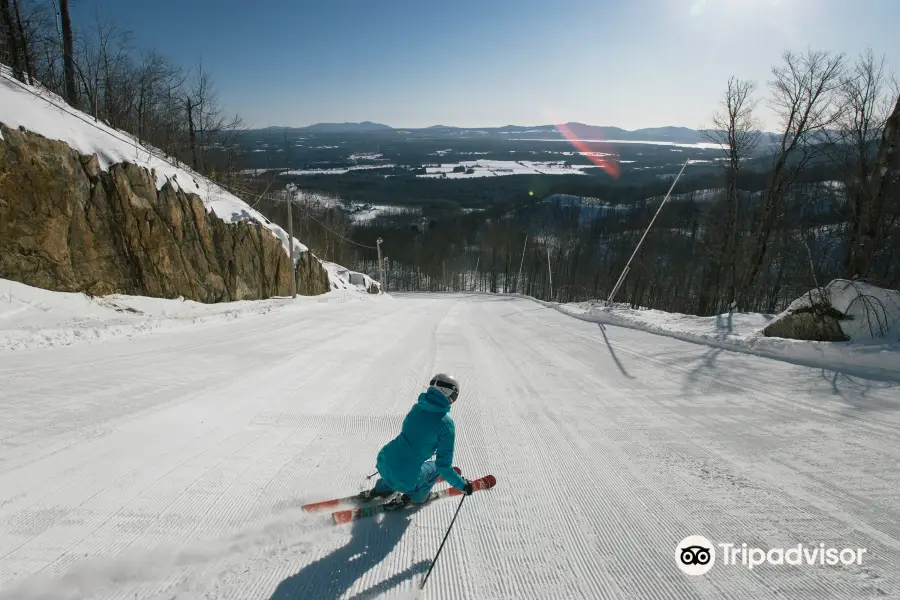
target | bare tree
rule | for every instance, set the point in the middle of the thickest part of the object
(884, 197)
(867, 105)
(737, 130)
(23, 36)
(37, 38)
(104, 54)
(206, 120)
(68, 51)
(803, 95)
(23, 40)
(192, 130)
(157, 78)
(12, 37)
(97, 69)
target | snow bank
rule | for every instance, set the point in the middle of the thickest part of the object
(33, 318)
(45, 113)
(342, 278)
(741, 332)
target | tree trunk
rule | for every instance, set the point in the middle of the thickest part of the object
(883, 178)
(773, 300)
(774, 196)
(68, 53)
(26, 57)
(192, 133)
(731, 225)
(140, 115)
(13, 38)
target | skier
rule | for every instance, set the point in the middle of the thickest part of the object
(428, 429)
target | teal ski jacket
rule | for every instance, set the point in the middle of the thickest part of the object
(428, 429)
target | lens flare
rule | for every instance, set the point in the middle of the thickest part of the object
(601, 155)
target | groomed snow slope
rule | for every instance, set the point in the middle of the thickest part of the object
(174, 465)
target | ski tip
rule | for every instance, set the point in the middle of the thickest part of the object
(489, 481)
(318, 506)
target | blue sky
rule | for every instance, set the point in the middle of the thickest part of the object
(412, 63)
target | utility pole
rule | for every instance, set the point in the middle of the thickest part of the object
(465, 265)
(291, 188)
(549, 273)
(628, 265)
(380, 264)
(521, 262)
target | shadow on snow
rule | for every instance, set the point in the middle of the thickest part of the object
(331, 576)
(612, 352)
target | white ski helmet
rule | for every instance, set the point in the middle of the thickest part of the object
(447, 385)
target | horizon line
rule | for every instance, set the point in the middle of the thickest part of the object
(465, 127)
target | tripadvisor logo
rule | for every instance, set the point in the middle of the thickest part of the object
(696, 555)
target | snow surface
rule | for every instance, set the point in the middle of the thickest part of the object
(42, 112)
(256, 171)
(742, 332)
(698, 145)
(33, 318)
(376, 210)
(335, 171)
(496, 168)
(173, 465)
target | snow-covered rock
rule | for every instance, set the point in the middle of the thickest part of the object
(92, 221)
(41, 111)
(860, 312)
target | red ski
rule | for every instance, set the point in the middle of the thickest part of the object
(327, 504)
(346, 516)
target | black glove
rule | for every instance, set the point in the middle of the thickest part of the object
(469, 489)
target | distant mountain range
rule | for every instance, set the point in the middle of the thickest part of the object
(681, 135)
(364, 127)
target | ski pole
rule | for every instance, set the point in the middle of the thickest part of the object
(446, 535)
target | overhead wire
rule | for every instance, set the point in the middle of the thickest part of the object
(302, 208)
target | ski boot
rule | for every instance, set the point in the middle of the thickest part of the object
(396, 503)
(369, 495)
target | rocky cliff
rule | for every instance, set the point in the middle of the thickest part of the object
(68, 225)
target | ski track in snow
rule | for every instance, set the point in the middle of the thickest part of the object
(174, 465)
